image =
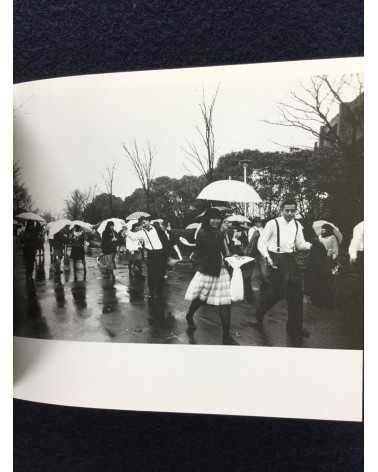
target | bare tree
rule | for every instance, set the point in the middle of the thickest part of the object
(76, 204)
(142, 161)
(109, 180)
(312, 108)
(203, 157)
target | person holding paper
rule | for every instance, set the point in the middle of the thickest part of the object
(278, 242)
(211, 282)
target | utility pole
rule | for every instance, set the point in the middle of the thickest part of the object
(245, 165)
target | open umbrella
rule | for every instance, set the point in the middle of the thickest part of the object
(193, 226)
(317, 226)
(237, 219)
(85, 226)
(229, 191)
(118, 225)
(136, 215)
(28, 215)
(56, 226)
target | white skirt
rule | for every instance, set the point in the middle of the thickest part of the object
(210, 289)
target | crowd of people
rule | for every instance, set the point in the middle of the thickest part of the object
(286, 260)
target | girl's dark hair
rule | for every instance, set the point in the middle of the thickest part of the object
(135, 226)
(210, 213)
(107, 227)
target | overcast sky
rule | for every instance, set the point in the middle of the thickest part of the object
(68, 130)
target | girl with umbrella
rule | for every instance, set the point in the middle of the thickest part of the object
(29, 240)
(77, 249)
(211, 282)
(108, 246)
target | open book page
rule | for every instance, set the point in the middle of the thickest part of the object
(137, 198)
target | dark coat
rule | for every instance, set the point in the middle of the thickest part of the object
(108, 246)
(165, 241)
(209, 250)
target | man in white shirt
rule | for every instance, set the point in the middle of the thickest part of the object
(158, 246)
(280, 238)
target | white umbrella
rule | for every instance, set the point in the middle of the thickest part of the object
(56, 226)
(237, 219)
(118, 225)
(185, 242)
(222, 209)
(31, 216)
(193, 226)
(136, 215)
(85, 226)
(229, 191)
(317, 226)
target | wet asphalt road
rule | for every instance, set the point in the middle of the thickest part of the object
(98, 309)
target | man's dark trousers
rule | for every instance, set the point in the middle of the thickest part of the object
(284, 282)
(156, 266)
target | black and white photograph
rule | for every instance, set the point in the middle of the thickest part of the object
(205, 206)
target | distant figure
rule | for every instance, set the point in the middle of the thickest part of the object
(134, 249)
(174, 250)
(40, 240)
(236, 244)
(318, 276)
(50, 238)
(29, 240)
(356, 247)
(167, 228)
(158, 248)
(211, 283)
(258, 272)
(108, 246)
(59, 244)
(330, 242)
(78, 249)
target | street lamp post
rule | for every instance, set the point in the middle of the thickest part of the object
(245, 165)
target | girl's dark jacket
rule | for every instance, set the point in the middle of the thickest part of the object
(210, 247)
(107, 244)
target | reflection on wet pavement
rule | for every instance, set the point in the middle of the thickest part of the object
(97, 308)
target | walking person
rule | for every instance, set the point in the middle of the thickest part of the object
(328, 239)
(258, 269)
(174, 250)
(211, 282)
(108, 246)
(78, 249)
(158, 248)
(30, 243)
(279, 241)
(41, 240)
(60, 241)
(134, 249)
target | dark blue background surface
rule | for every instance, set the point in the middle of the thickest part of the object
(71, 37)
